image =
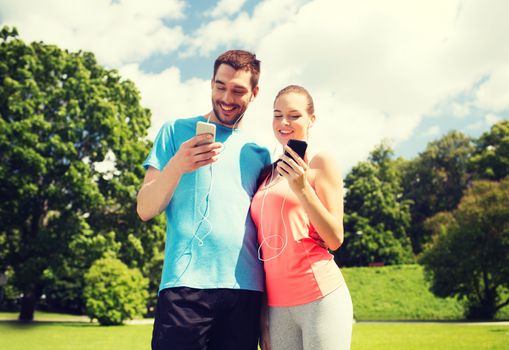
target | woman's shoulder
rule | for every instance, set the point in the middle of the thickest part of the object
(325, 166)
(322, 159)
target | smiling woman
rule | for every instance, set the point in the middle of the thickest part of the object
(298, 211)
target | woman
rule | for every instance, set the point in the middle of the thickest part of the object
(298, 211)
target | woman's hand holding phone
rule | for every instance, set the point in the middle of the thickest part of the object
(293, 167)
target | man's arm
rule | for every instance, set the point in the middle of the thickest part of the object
(158, 186)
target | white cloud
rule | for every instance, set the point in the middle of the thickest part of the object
(478, 125)
(167, 96)
(364, 65)
(227, 8)
(375, 69)
(117, 32)
(486, 122)
(491, 119)
(460, 110)
(432, 131)
(243, 30)
(493, 94)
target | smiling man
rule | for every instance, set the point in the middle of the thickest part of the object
(212, 280)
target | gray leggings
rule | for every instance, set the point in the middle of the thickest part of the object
(324, 324)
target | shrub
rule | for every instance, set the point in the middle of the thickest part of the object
(113, 292)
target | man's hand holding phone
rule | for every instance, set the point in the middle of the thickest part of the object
(196, 153)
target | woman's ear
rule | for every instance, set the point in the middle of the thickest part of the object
(311, 121)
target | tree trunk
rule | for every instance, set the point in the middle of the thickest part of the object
(28, 302)
(484, 309)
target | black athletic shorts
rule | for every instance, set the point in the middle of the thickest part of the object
(207, 319)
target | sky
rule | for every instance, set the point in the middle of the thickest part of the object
(405, 72)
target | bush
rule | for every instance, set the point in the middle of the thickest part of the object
(113, 292)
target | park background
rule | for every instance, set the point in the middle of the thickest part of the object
(411, 98)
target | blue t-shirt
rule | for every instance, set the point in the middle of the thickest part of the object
(211, 241)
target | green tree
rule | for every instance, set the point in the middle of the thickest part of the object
(113, 292)
(490, 159)
(470, 258)
(435, 181)
(61, 115)
(376, 217)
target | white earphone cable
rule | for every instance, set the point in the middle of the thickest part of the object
(265, 240)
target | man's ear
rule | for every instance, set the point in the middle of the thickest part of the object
(255, 92)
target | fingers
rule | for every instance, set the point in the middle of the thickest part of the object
(210, 147)
(193, 155)
(199, 139)
(282, 168)
(290, 166)
(206, 154)
(199, 150)
(204, 162)
(295, 156)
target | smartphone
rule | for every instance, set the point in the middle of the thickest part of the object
(298, 147)
(206, 128)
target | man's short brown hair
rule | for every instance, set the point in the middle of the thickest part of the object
(240, 59)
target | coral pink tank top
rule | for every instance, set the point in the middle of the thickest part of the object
(297, 269)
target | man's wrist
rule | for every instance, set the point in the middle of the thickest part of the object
(174, 167)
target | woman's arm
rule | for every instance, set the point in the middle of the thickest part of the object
(324, 204)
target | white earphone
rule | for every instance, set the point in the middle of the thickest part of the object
(284, 239)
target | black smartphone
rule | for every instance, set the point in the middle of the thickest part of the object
(298, 147)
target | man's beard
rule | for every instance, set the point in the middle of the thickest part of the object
(231, 122)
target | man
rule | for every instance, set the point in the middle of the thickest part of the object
(212, 280)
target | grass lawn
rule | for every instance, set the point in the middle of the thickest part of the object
(385, 293)
(400, 293)
(76, 336)
(366, 336)
(411, 336)
(46, 316)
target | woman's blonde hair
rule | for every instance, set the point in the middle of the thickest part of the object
(299, 90)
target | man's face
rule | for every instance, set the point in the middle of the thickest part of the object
(231, 94)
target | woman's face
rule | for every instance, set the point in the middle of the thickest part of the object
(291, 118)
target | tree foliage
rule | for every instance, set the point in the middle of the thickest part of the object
(376, 217)
(470, 258)
(491, 156)
(61, 116)
(435, 180)
(113, 292)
